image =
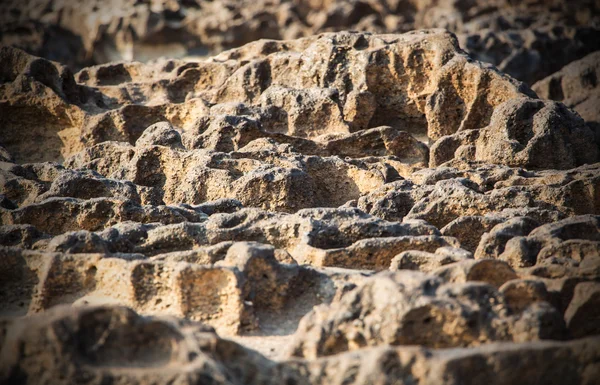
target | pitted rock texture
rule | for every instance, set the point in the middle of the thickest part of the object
(348, 207)
(178, 344)
(528, 40)
(576, 85)
(418, 83)
(407, 308)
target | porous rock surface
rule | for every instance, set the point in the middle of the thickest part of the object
(576, 85)
(348, 208)
(526, 39)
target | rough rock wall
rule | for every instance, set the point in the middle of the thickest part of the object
(526, 39)
(344, 208)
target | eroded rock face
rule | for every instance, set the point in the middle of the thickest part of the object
(324, 110)
(96, 339)
(187, 352)
(519, 134)
(528, 40)
(574, 238)
(409, 308)
(312, 199)
(529, 52)
(576, 85)
(222, 286)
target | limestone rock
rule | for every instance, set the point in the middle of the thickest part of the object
(339, 195)
(533, 53)
(393, 201)
(419, 310)
(160, 134)
(539, 321)
(491, 364)
(40, 102)
(493, 272)
(519, 135)
(365, 93)
(523, 133)
(521, 293)
(492, 243)
(268, 282)
(280, 182)
(459, 197)
(507, 34)
(188, 352)
(110, 339)
(470, 228)
(576, 85)
(428, 262)
(582, 314)
(545, 242)
(59, 215)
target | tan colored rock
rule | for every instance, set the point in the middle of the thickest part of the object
(59, 215)
(490, 271)
(393, 201)
(263, 190)
(525, 251)
(221, 295)
(279, 182)
(544, 195)
(87, 185)
(24, 236)
(498, 363)
(114, 340)
(519, 134)
(185, 352)
(521, 129)
(138, 96)
(531, 53)
(469, 229)
(492, 243)
(543, 36)
(454, 198)
(583, 314)
(267, 282)
(330, 237)
(576, 85)
(374, 253)
(40, 102)
(419, 310)
(539, 321)
(428, 262)
(358, 319)
(521, 293)
(160, 134)
(561, 283)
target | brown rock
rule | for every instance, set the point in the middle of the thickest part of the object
(428, 262)
(576, 85)
(521, 293)
(493, 272)
(524, 251)
(419, 310)
(583, 314)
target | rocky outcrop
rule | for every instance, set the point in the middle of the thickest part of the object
(576, 85)
(527, 40)
(519, 134)
(347, 207)
(408, 308)
(574, 239)
(529, 52)
(185, 351)
(353, 90)
(220, 289)
(112, 341)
